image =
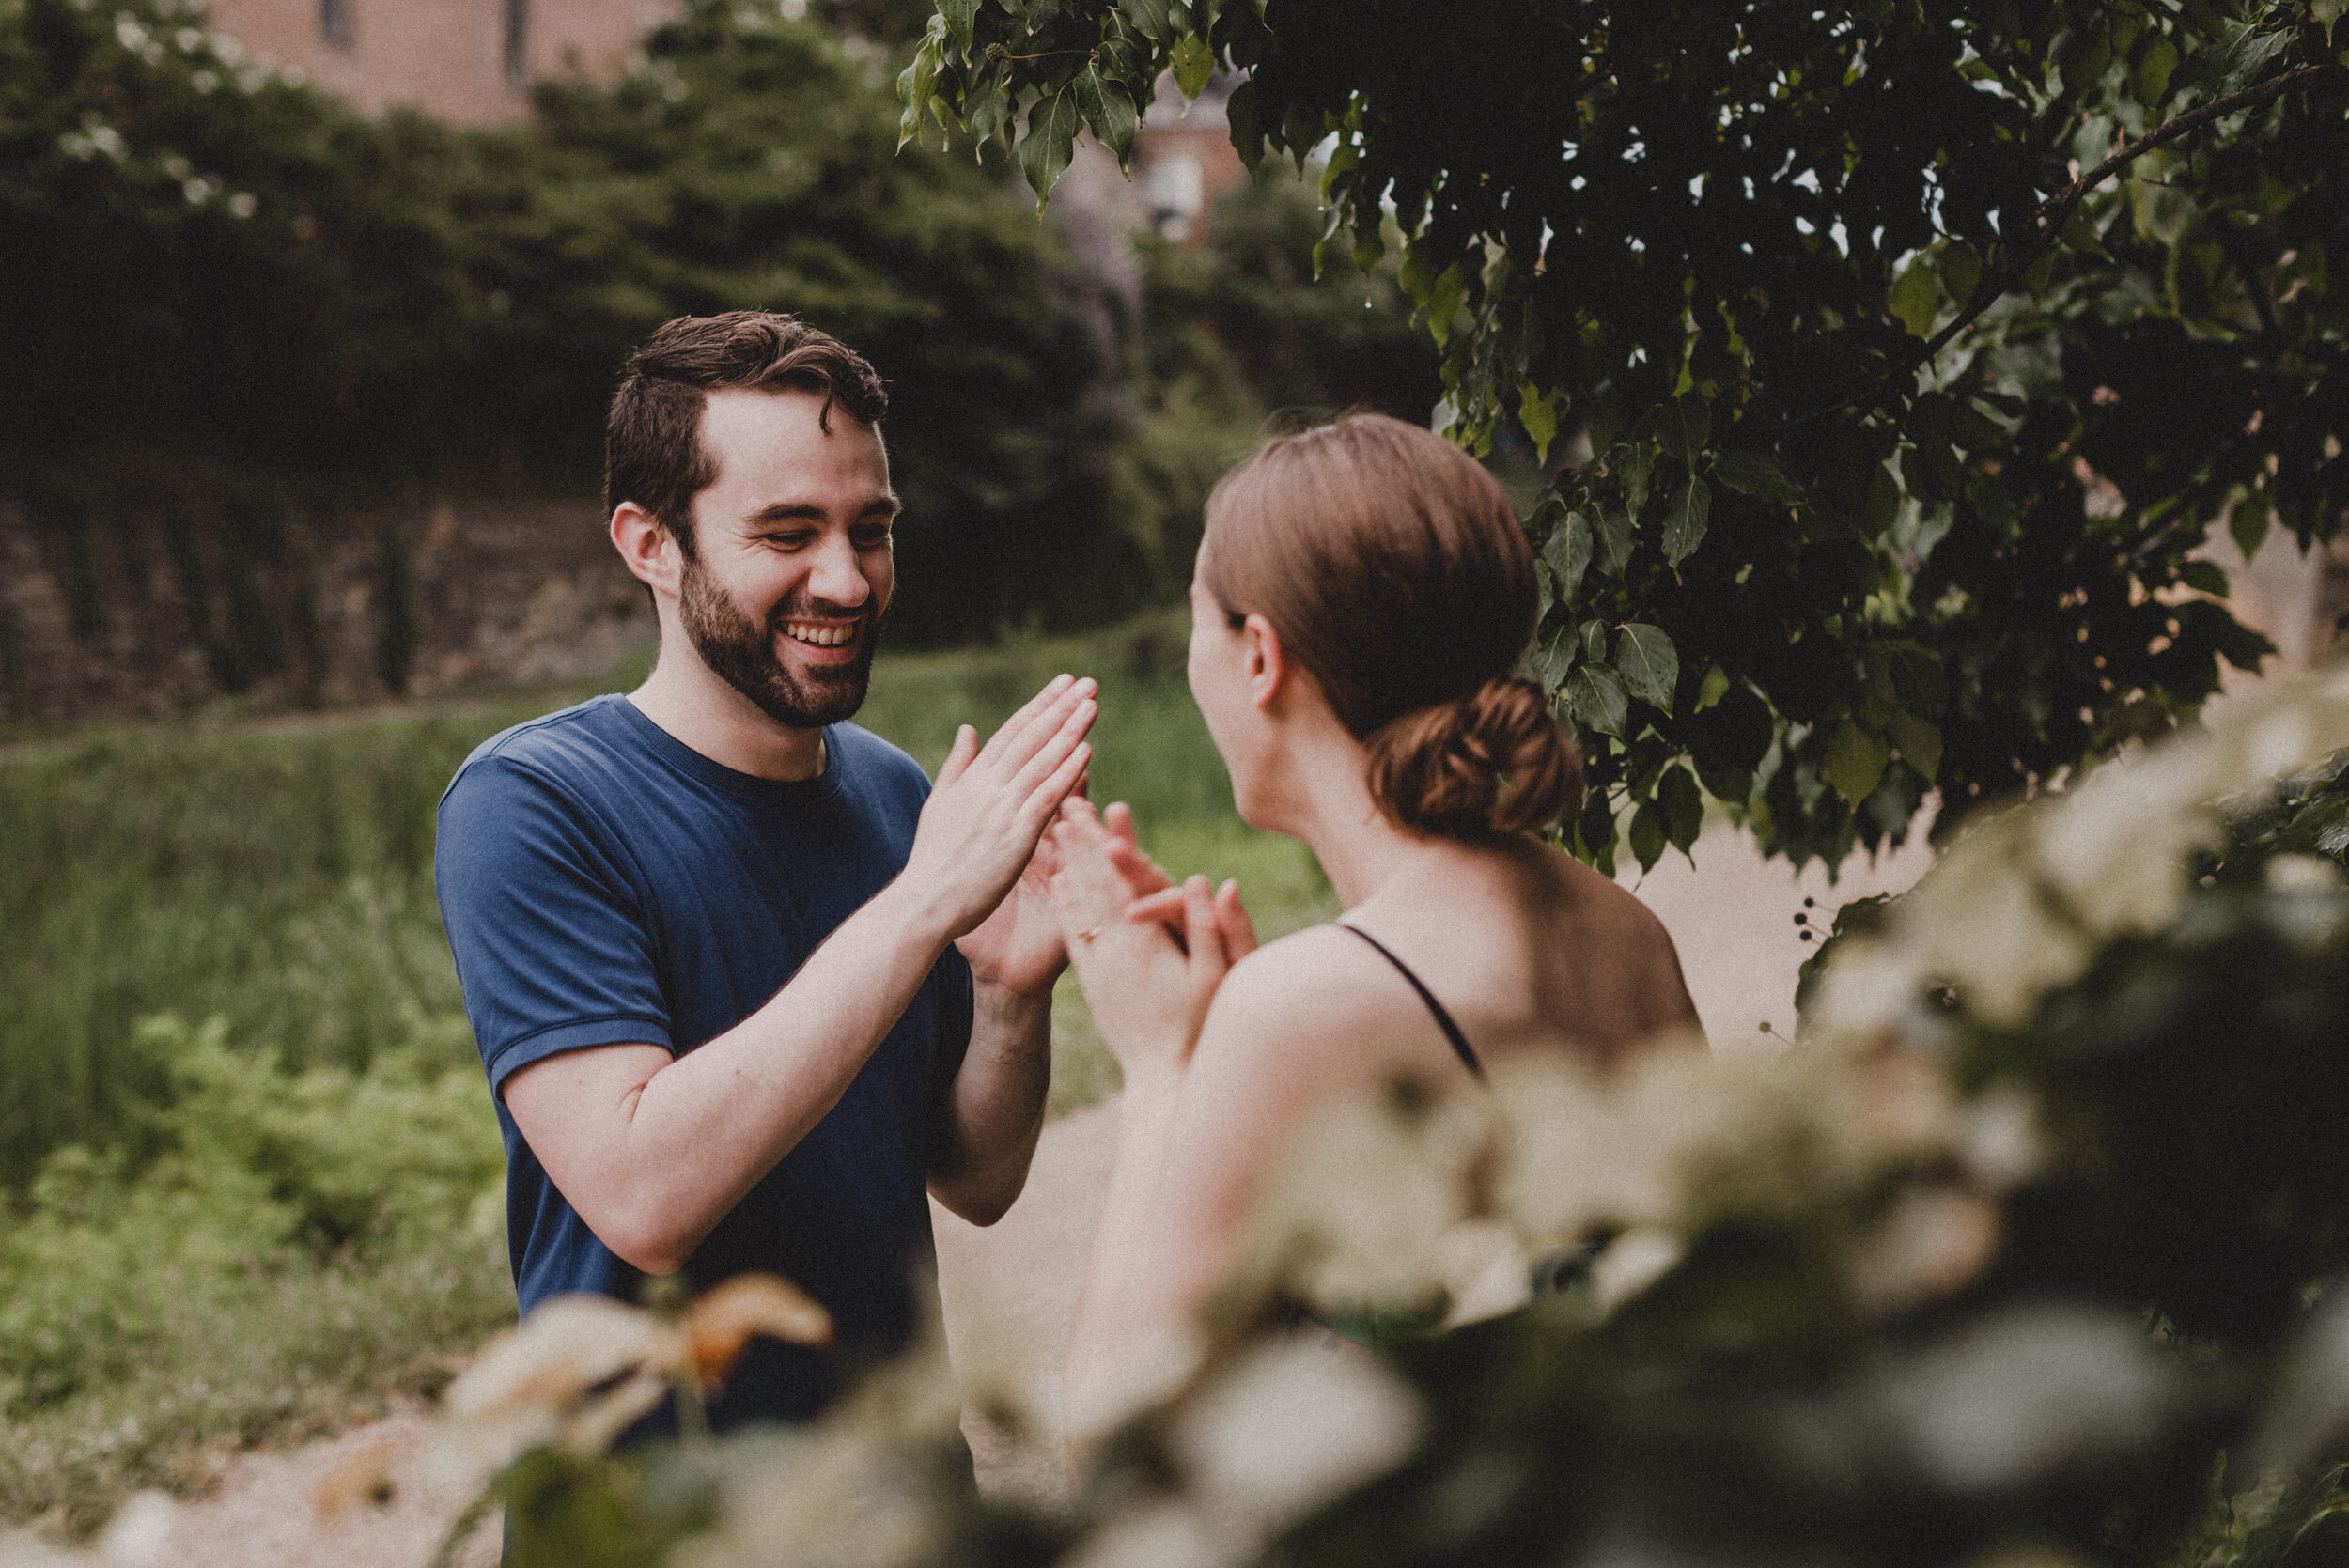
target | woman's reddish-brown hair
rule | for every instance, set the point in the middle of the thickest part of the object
(1395, 571)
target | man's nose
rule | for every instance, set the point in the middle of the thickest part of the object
(837, 578)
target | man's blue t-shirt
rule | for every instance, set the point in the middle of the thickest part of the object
(603, 883)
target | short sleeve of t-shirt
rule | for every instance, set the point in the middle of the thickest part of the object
(552, 945)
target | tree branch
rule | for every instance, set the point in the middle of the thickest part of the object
(2057, 211)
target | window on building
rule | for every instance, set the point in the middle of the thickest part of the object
(517, 43)
(335, 22)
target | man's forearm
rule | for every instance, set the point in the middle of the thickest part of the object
(675, 1151)
(995, 1109)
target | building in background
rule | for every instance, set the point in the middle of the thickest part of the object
(470, 62)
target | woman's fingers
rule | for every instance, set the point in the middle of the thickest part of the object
(1119, 819)
(1231, 919)
(1165, 906)
(1201, 937)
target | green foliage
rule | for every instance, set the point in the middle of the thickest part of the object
(270, 1248)
(1848, 341)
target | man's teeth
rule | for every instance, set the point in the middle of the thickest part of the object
(820, 636)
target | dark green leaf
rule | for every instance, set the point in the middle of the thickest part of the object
(1050, 141)
(1568, 553)
(1757, 473)
(1649, 662)
(1919, 743)
(2203, 576)
(960, 15)
(1683, 426)
(2247, 524)
(1684, 807)
(1916, 297)
(1854, 761)
(1960, 266)
(1596, 698)
(2245, 58)
(1107, 110)
(1613, 540)
(1194, 63)
(1638, 464)
(1240, 112)
(1685, 519)
(2149, 78)
(1647, 835)
(1153, 19)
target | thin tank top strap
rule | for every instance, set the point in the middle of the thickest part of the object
(1443, 1020)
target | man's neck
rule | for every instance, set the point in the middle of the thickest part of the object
(697, 708)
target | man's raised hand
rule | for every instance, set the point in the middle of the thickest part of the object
(991, 805)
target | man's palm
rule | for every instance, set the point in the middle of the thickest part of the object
(1019, 947)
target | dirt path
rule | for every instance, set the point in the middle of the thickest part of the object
(1010, 1291)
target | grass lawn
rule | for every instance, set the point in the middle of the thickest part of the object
(248, 1163)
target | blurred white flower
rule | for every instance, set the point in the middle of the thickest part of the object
(1935, 1242)
(1293, 1425)
(831, 1495)
(2302, 874)
(862, 1488)
(581, 1368)
(1631, 1262)
(2311, 1402)
(1356, 1214)
(2026, 1392)
(1167, 1534)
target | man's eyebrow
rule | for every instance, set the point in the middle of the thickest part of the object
(884, 505)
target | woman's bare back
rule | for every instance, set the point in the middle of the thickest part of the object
(1526, 947)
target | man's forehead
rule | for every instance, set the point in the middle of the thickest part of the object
(783, 443)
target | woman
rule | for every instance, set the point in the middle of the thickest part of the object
(1362, 597)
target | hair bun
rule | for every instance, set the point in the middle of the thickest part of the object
(1494, 762)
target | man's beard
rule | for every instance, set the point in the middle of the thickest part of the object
(744, 655)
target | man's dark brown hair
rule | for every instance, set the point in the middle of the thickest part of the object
(652, 448)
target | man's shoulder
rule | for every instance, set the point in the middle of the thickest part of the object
(553, 746)
(865, 756)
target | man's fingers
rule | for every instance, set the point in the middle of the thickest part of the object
(1053, 756)
(1240, 932)
(1033, 728)
(959, 756)
(1119, 819)
(1043, 804)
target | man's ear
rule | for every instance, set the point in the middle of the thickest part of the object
(647, 547)
(1268, 664)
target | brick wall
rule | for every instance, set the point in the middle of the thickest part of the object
(448, 57)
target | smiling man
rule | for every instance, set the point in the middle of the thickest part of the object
(744, 983)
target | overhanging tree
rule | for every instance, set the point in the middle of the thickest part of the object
(1919, 345)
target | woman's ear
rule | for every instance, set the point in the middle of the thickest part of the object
(1267, 665)
(647, 546)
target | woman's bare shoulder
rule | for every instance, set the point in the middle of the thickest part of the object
(1307, 986)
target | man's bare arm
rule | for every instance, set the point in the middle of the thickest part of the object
(652, 1151)
(994, 1110)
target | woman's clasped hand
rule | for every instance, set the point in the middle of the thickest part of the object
(1149, 951)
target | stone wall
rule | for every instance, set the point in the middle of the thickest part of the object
(158, 609)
